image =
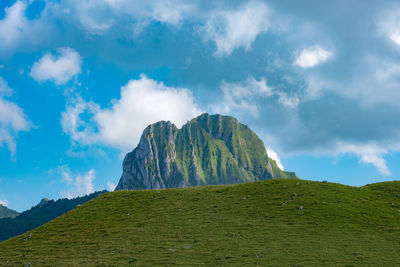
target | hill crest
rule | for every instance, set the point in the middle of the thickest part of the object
(257, 223)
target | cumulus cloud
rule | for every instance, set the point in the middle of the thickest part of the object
(273, 155)
(12, 119)
(231, 29)
(4, 202)
(369, 153)
(143, 101)
(244, 96)
(59, 69)
(79, 185)
(312, 56)
(16, 29)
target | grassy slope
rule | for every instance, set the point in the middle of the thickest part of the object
(253, 223)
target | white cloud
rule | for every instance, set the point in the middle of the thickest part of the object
(143, 101)
(273, 155)
(91, 15)
(58, 69)
(79, 185)
(389, 25)
(4, 89)
(14, 23)
(17, 30)
(99, 16)
(72, 124)
(12, 119)
(4, 202)
(288, 101)
(169, 11)
(231, 29)
(312, 56)
(368, 153)
(111, 186)
(243, 96)
(139, 27)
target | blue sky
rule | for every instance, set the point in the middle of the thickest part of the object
(318, 81)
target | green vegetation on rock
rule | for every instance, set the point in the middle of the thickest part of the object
(280, 222)
(208, 150)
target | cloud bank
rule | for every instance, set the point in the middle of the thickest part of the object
(143, 101)
(247, 97)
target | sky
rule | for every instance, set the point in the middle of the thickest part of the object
(318, 82)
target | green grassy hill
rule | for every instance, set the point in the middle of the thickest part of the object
(274, 222)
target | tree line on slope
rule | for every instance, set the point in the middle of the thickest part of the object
(40, 214)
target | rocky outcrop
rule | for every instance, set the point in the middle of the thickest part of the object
(43, 202)
(210, 149)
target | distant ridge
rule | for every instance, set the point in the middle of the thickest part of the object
(7, 213)
(208, 150)
(40, 214)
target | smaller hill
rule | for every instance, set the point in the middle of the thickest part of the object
(40, 214)
(7, 213)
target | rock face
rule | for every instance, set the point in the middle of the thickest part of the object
(208, 150)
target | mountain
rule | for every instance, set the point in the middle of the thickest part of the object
(43, 202)
(279, 222)
(40, 214)
(7, 213)
(208, 150)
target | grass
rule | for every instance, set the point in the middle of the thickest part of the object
(258, 223)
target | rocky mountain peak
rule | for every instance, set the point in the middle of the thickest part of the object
(43, 202)
(209, 149)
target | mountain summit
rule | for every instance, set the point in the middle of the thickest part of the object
(208, 150)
